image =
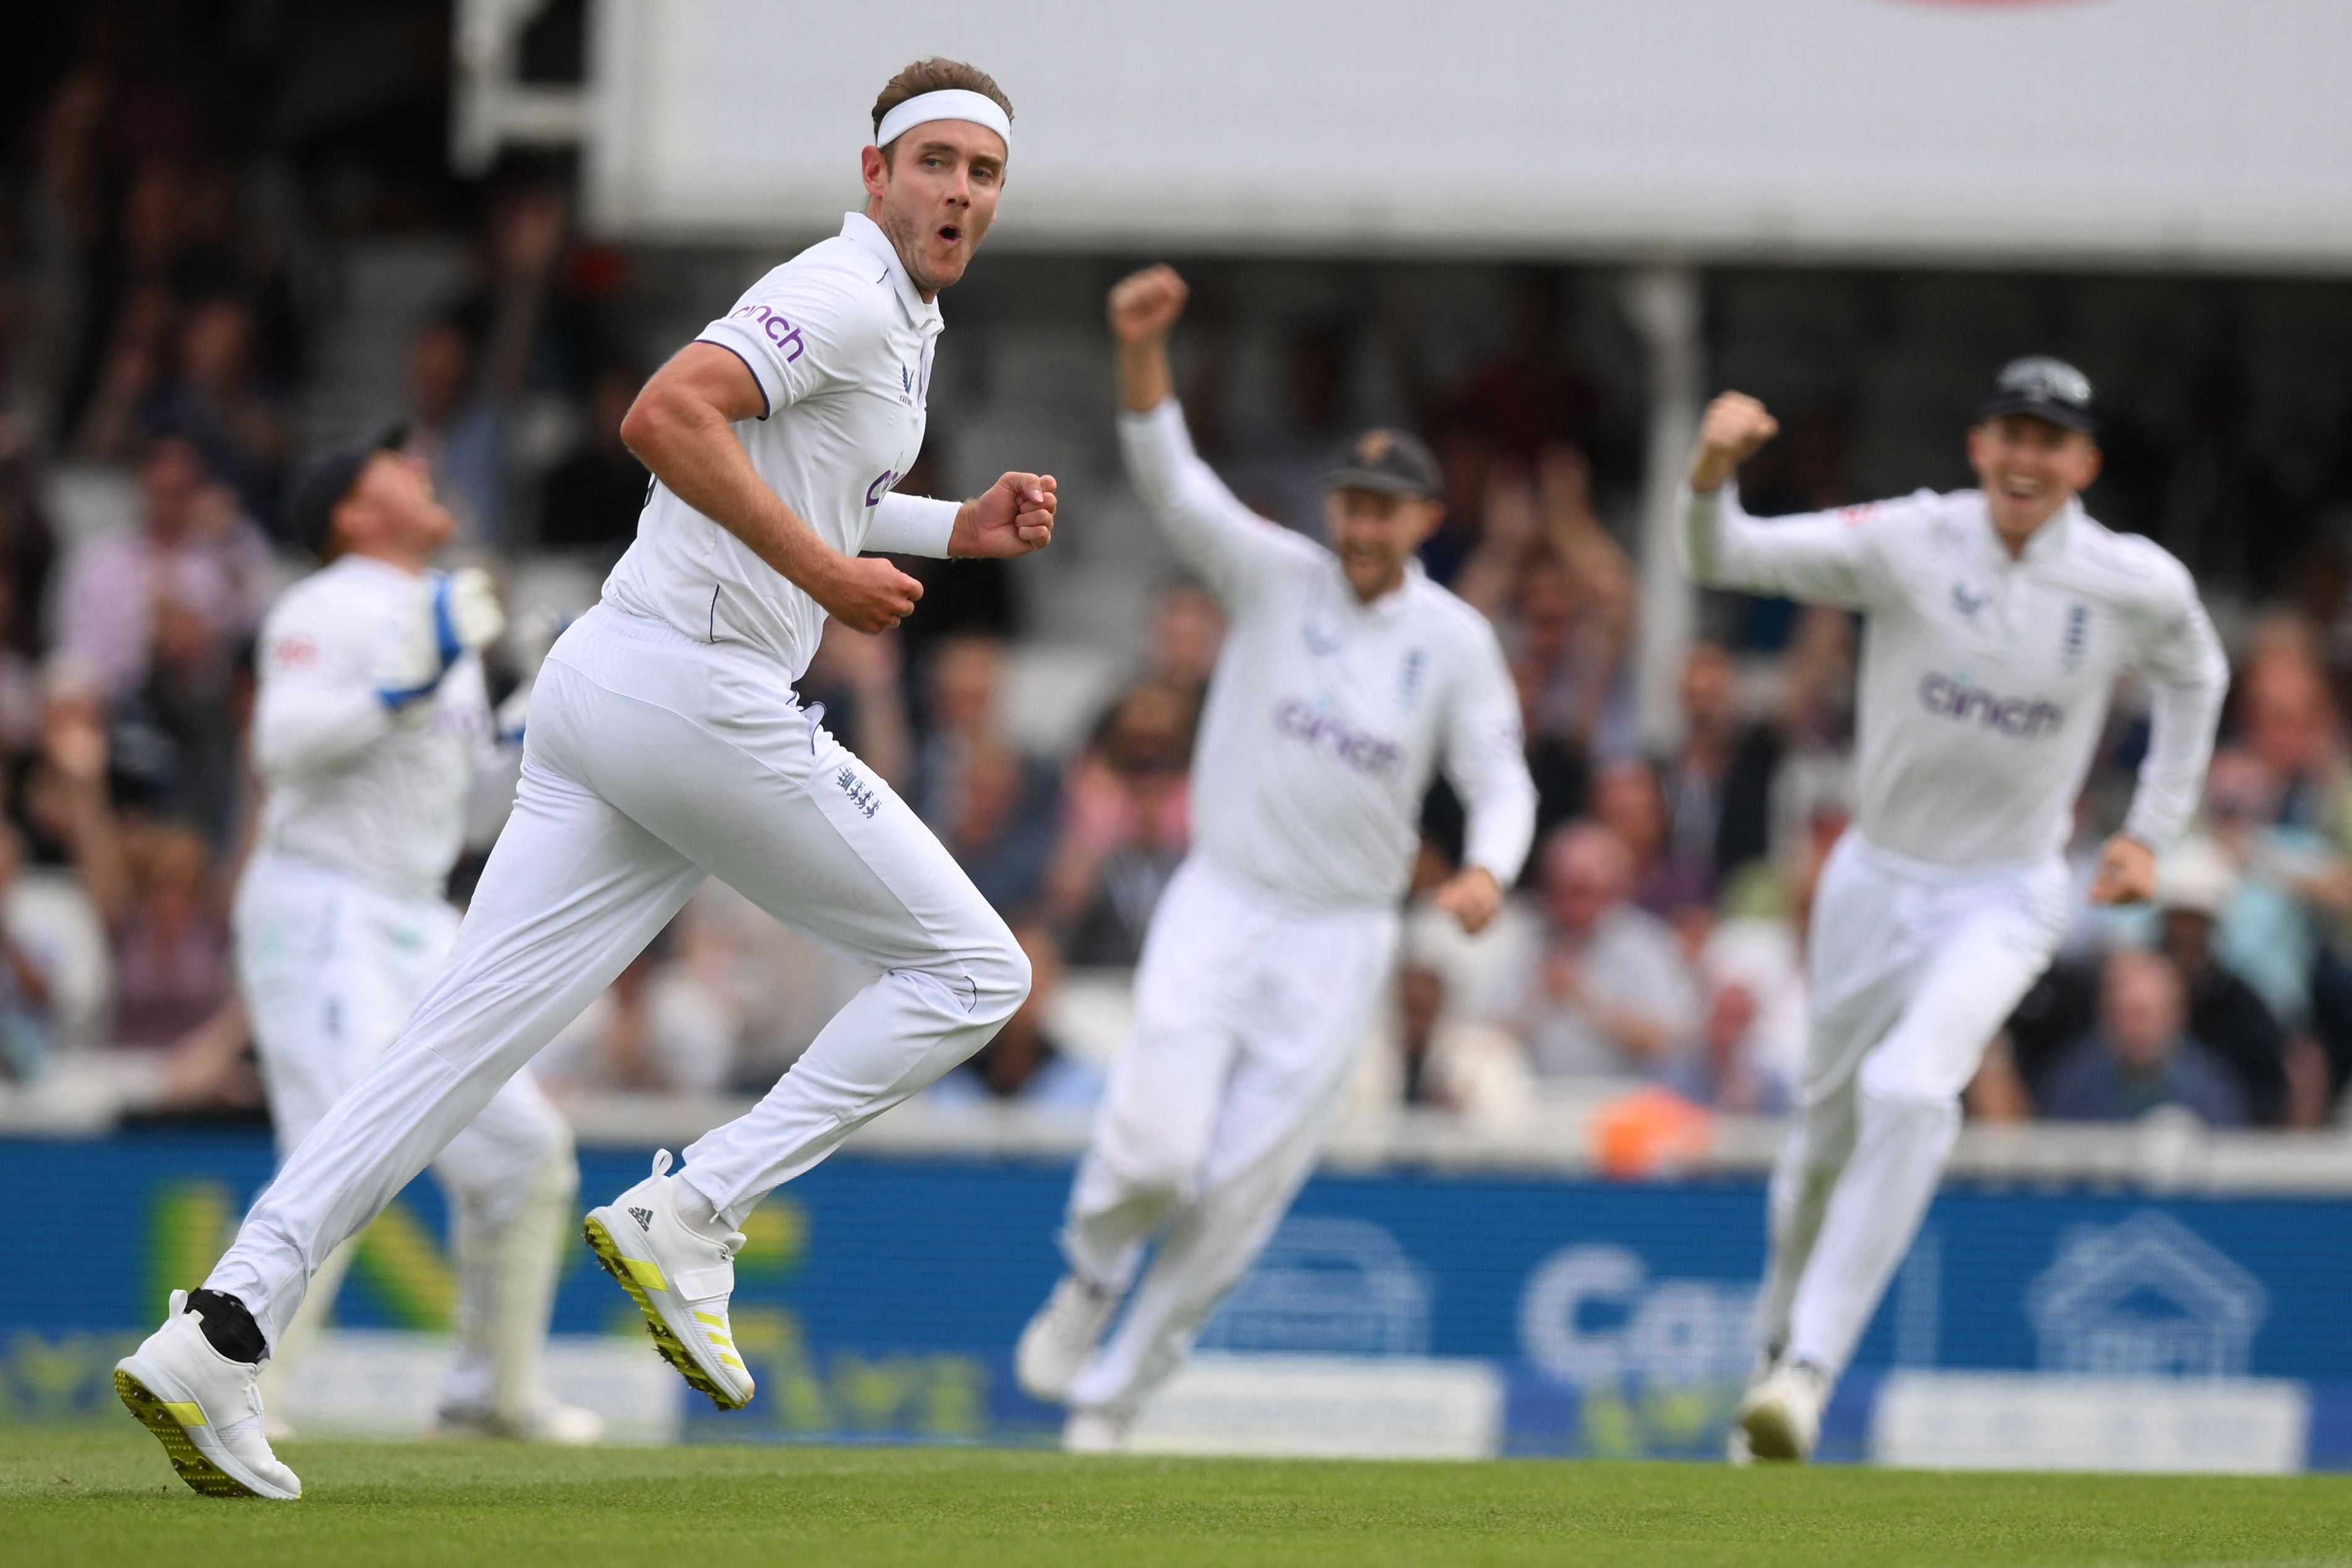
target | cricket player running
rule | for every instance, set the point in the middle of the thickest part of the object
(666, 745)
(1998, 620)
(1345, 676)
(371, 731)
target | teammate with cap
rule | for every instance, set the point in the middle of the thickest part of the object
(666, 745)
(1346, 677)
(371, 731)
(1998, 620)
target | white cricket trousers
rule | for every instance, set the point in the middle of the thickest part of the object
(1914, 968)
(331, 968)
(1249, 1016)
(652, 761)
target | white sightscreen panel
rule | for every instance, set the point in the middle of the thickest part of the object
(2214, 131)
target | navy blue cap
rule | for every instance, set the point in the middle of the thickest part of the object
(310, 504)
(1394, 462)
(2045, 388)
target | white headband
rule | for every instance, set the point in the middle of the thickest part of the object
(948, 103)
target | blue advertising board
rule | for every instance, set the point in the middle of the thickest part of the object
(879, 1298)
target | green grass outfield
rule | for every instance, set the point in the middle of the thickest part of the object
(84, 1496)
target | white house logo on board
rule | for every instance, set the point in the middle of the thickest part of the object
(2147, 1297)
(1326, 1285)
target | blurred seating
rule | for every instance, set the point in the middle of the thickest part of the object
(203, 286)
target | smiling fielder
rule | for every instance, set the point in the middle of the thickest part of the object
(1999, 621)
(1346, 678)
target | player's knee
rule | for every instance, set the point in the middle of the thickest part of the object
(558, 1169)
(1001, 973)
(539, 1163)
(1895, 1083)
(1153, 1172)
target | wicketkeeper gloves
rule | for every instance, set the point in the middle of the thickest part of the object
(456, 614)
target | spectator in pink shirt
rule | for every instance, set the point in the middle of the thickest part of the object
(194, 552)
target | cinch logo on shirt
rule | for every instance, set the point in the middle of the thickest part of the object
(1365, 753)
(1951, 698)
(777, 330)
(466, 723)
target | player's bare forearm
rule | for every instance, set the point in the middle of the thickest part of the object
(1145, 381)
(677, 429)
(680, 427)
(1143, 309)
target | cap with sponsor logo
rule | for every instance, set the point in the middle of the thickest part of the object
(1394, 462)
(310, 505)
(2045, 388)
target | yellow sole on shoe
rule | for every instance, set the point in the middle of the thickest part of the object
(204, 1477)
(673, 1350)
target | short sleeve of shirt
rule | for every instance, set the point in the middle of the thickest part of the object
(790, 329)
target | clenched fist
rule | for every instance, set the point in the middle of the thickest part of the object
(1472, 897)
(1012, 517)
(866, 594)
(2127, 873)
(1145, 305)
(1735, 426)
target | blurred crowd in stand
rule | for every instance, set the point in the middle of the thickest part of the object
(171, 253)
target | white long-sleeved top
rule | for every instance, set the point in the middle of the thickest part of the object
(1327, 717)
(1985, 678)
(840, 342)
(351, 784)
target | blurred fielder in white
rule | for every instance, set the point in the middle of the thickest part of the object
(1998, 620)
(666, 745)
(372, 732)
(1346, 677)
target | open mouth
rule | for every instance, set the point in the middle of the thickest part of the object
(950, 232)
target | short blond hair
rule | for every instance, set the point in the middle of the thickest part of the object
(936, 75)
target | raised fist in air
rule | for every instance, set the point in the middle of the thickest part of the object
(1144, 305)
(1735, 426)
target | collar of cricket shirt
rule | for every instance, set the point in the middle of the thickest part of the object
(2049, 540)
(1391, 602)
(867, 236)
(2042, 546)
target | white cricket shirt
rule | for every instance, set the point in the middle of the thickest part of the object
(1985, 679)
(350, 785)
(1327, 717)
(840, 343)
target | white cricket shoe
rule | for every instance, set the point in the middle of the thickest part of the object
(548, 1421)
(205, 1408)
(679, 1279)
(1781, 1416)
(1061, 1338)
(1096, 1431)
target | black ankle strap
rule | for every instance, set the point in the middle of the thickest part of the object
(228, 1327)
